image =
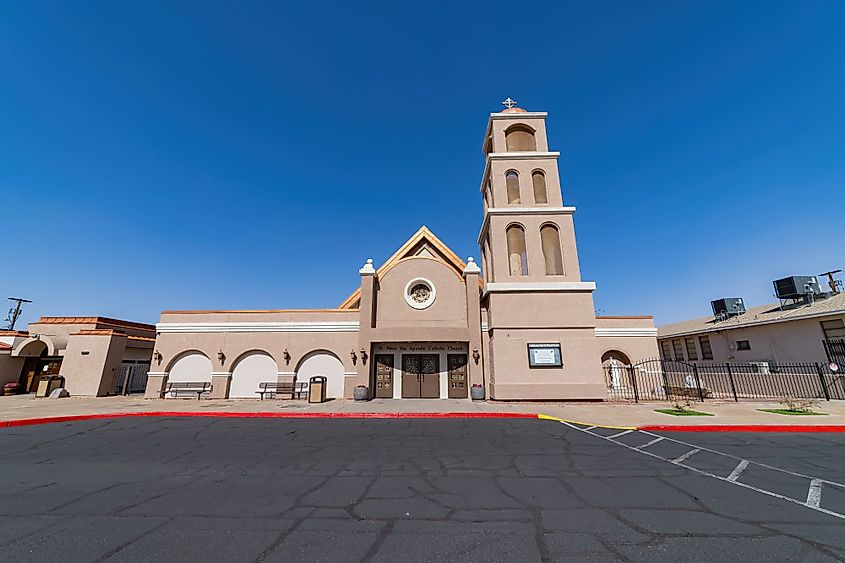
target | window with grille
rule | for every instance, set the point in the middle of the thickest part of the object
(666, 350)
(679, 350)
(743, 345)
(834, 329)
(692, 353)
(706, 350)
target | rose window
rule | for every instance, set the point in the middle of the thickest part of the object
(420, 293)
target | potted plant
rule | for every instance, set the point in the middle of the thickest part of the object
(476, 392)
(361, 393)
(12, 388)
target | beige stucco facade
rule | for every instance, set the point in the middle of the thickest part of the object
(428, 324)
(770, 334)
(96, 355)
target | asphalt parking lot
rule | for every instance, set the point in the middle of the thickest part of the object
(162, 489)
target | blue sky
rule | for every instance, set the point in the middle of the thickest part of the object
(194, 155)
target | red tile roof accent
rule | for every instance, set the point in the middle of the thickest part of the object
(141, 338)
(95, 320)
(22, 333)
(99, 332)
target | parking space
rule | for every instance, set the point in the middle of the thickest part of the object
(386, 490)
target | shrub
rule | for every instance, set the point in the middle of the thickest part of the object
(798, 405)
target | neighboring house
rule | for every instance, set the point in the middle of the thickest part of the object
(96, 355)
(768, 333)
(426, 324)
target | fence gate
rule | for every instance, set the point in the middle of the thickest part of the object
(653, 380)
(132, 378)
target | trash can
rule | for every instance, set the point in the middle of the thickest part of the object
(47, 383)
(317, 389)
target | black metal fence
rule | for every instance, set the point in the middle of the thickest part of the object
(663, 380)
(835, 350)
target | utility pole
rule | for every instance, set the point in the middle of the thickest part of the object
(835, 285)
(15, 311)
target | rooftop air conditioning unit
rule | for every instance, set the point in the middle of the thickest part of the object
(796, 287)
(728, 307)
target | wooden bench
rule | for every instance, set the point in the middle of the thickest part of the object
(273, 388)
(294, 389)
(198, 387)
(301, 390)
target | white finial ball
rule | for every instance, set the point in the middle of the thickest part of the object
(470, 260)
(369, 260)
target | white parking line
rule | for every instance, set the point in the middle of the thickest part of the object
(738, 470)
(587, 429)
(620, 434)
(650, 443)
(814, 495)
(686, 455)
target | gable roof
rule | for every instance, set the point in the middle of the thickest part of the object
(421, 243)
(762, 314)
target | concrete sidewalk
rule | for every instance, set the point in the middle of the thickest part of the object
(608, 414)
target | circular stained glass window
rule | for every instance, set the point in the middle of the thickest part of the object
(419, 293)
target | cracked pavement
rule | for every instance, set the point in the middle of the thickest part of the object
(163, 489)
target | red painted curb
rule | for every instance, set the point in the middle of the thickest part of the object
(743, 428)
(209, 414)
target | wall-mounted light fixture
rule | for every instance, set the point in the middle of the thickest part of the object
(157, 357)
(363, 356)
(286, 356)
(221, 357)
(475, 355)
(354, 357)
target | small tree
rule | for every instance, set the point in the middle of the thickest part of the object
(793, 404)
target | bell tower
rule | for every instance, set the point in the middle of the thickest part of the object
(533, 291)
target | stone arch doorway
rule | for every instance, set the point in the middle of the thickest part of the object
(325, 363)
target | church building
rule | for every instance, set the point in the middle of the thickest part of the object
(521, 325)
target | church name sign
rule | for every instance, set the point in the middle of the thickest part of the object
(544, 355)
(419, 348)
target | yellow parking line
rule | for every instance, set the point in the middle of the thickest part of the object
(557, 419)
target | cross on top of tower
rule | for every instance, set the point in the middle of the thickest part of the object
(509, 103)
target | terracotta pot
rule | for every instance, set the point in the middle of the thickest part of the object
(8, 392)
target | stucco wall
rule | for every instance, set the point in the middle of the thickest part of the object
(10, 368)
(448, 309)
(91, 364)
(785, 342)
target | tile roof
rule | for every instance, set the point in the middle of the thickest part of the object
(98, 332)
(100, 322)
(762, 314)
(22, 333)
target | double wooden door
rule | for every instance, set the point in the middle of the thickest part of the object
(420, 376)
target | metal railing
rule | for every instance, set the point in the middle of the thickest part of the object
(835, 350)
(661, 380)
